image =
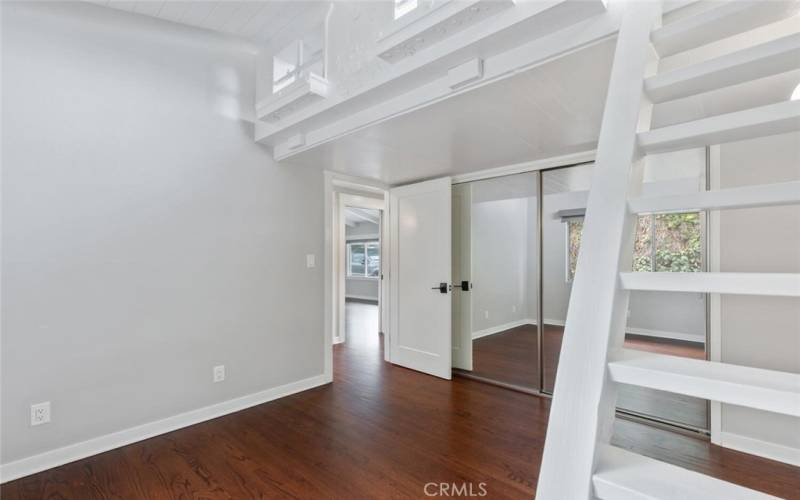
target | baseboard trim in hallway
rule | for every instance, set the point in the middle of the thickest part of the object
(766, 449)
(70, 453)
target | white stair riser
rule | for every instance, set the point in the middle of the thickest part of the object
(773, 119)
(777, 56)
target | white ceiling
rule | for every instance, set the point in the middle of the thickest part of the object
(257, 21)
(551, 110)
(354, 215)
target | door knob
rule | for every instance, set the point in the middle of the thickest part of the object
(464, 286)
(442, 288)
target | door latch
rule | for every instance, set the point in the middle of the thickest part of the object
(464, 286)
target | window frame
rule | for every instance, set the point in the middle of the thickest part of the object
(652, 247)
(404, 7)
(366, 243)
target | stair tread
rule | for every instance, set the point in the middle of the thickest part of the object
(780, 193)
(728, 19)
(770, 58)
(768, 390)
(772, 119)
(774, 284)
(624, 475)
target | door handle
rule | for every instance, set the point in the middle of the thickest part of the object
(464, 286)
(442, 288)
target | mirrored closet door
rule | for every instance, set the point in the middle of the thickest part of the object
(495, 292)
(508, 322)
(661, 322)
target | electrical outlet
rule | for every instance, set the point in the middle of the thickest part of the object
(485, 314)
(40, 413)
(311, 260)
(219, 373)
(513, 309)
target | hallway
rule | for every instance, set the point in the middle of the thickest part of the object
(377, 431)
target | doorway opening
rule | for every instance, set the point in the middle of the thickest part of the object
(362, 277)
(356, 271)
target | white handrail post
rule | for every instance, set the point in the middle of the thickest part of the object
(582, 410)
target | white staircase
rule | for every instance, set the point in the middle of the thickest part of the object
(579, 463)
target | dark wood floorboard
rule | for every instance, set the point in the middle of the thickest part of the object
(511, 357)
(379, 431)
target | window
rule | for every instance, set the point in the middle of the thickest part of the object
(664, 243)
(364, 259)
(574, 231)
(403, 7)
(678, 243)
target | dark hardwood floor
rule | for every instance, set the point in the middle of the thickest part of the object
(378, 431)
(511, 357)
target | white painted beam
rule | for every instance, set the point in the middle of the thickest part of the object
(574, 24)
(763, 60)
(299, 94)
(772, 119)
(774, 284)
(623, 475)
(730, 18)
(757, 388)
(443, 21)
(781, 193)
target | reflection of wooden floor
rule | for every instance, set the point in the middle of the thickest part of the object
(511, 357)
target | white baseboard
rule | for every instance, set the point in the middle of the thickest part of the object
(559, 322)
(688, 337)
(361, 297)
(77, 451)
(765, 449)
(501, 328)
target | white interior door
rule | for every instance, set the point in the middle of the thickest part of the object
(462, 298)
(421, 246)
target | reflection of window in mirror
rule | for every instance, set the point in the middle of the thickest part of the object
(664, 243)
(574, 231)
(403, 7)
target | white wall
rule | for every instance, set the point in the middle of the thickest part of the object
(761, 331)
(146, 237)
(503, 251)
(361, 288)
(500, 264)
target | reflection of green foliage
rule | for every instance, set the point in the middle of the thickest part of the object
(675, 243)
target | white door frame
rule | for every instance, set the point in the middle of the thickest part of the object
(356, 201)
(336, 184)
